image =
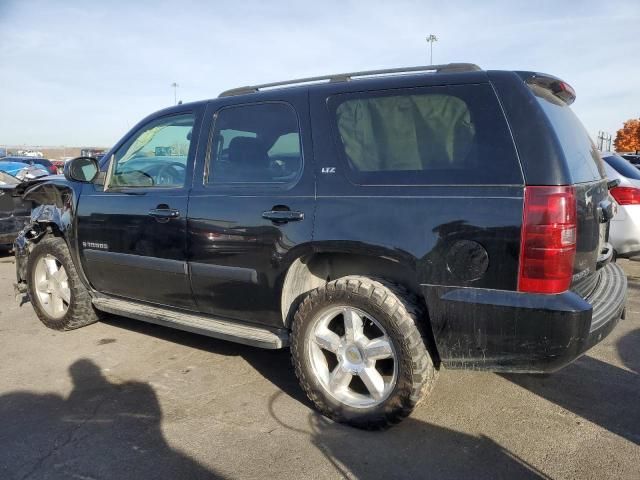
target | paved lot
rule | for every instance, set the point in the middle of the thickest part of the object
(123, 399)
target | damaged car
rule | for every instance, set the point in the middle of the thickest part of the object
(23, 171)
(14, 211)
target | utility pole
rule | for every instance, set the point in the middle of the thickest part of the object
(604, 141)
(175, 92)
(430, 39)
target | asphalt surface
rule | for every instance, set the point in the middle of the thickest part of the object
(123, 399)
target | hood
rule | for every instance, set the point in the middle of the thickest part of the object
(23, 171)
(48, 190)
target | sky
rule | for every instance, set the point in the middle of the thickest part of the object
(82, 73)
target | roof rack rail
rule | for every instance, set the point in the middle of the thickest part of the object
(345, 77)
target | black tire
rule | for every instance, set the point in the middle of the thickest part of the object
(80, 311)
(399, 314)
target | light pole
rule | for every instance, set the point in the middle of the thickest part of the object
(175, 92)
(430, 39)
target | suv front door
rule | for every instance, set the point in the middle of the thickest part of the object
(132, 232)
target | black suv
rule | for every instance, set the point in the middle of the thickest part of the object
(380, 225)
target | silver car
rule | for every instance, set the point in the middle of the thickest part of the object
(624, 233)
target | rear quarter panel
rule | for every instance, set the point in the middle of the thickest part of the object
(448, 235)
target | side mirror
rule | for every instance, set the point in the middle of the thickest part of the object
(82, 169)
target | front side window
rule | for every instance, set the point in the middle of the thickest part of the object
(436, 135)
(258, 143)
(156, 156)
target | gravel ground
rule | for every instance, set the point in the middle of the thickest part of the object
(123, 399)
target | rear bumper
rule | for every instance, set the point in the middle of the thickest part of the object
(506, 331)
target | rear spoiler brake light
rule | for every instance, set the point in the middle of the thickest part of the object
(559, 88)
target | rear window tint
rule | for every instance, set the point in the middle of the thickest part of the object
(437, 135)
(580, 153)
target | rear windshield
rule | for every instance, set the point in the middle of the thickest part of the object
(454, 135)
(623, 167)
(579, 151)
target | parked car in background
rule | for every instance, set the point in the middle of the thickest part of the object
(14, 211)
(59, 164)
(632, 158)
(96, 153)
(624, 233)
(50, 167)
(23, 171)
(30, 153)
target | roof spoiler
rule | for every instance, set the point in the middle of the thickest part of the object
(558, 87)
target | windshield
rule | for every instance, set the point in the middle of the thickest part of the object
(162, 140)
(623, 167)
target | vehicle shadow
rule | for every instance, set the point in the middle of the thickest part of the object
(597, 391)
(101, 430)
(274, 365)
(412, 449)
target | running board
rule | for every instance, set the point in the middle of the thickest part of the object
(195, 323)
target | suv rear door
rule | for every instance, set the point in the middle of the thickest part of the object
(132, 235)
(252, 205)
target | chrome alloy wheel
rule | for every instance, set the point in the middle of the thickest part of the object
(352, 357)
(52, 286)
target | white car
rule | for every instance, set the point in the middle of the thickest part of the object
(624, 233)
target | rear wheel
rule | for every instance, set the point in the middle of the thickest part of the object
(58, 296)
(359, 354)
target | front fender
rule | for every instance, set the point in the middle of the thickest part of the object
(55, 201)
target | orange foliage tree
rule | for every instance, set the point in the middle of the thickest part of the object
(628, 137)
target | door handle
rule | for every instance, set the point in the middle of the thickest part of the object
(165, 214)
(283, 216)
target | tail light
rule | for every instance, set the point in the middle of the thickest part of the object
(548, 243)
(626, 195)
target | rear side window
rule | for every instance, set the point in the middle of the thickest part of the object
(256, 143)
(453, 135)
(580, 153)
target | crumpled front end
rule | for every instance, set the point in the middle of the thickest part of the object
(20, 246)
(38, 225)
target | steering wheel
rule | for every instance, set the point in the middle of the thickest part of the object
(168, 174)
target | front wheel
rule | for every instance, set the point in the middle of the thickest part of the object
(59, 298)
(358, 352)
